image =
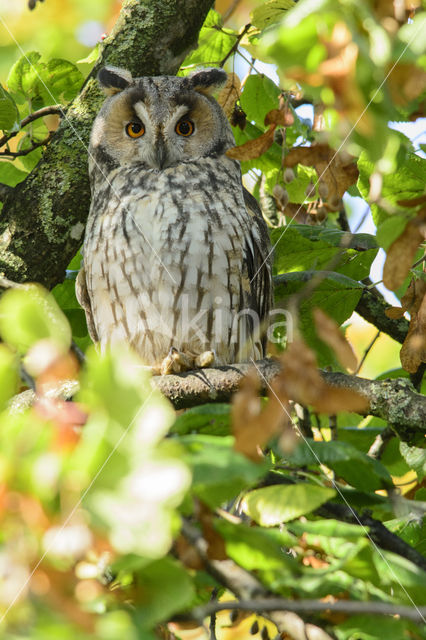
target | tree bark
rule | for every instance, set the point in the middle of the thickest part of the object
(393, 400)
(43, 217)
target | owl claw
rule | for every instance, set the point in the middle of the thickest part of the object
(205, 359)
(177, 361)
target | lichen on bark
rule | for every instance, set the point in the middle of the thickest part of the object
(41, 216)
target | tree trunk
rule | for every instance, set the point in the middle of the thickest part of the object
(43, 217)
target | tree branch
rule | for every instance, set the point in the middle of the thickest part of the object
(372, 309)
(393, 400)
(43, 219)
(35, 115)
(377, 532)
(312, 606)
(25, 152)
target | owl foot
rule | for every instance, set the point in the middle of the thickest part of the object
(177, 361)
(205, 359)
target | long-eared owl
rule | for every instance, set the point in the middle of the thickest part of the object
(176, 252)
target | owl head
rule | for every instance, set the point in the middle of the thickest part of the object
(160, 122)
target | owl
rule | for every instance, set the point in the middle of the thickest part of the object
(176, 252)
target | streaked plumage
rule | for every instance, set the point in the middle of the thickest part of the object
(175, 248)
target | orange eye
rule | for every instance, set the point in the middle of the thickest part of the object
(184, 128)
(135, 129)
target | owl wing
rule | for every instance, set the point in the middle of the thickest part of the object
(258, 258)
(84, 300)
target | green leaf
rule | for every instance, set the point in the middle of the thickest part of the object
(11, 175)
(300, 247)
(269, 161)
(294, 42)
(9, 375)
(51, 82)
(212, 419)
(166, 588)
(23, 75)
(64, 294)
(415, 457)
(369, 627)
(9, 115)
(116, 384)
(355, 467)
(273, 505)
(406, 183)
(336, 294)
(219, 472)
(214, 43)
(32, 314)
(93, 55)
(328, 528)
(269, 12)
(60, 80)
(260, 95)
(255, 548)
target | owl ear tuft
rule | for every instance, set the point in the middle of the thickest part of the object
(113, 80)
(207, 80)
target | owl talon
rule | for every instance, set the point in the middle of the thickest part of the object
(205, 359)
(176, 361)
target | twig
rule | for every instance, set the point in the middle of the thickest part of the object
(235, 45)
(5, 191)
(376, 450)
(367, 351)
(313, 606)
(212, 625)
(25, 152)
(377, 531)
(40, 113)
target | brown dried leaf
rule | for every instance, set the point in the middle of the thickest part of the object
(329, 332)
(402, 251)
(413, 351)
(283, 117)
(304, 384)
(300, 376)
(253, 148)
(337, 171)
(230, 94)
(215, 544)
(406, 82)
(333, 400)
(394, 313)
(253, 426)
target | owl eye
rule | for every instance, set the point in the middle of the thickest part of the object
(184, 128)
(135, 129)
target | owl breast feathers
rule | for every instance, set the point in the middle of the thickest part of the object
(176, 252)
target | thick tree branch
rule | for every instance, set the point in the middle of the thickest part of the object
(245, 586)
(393, 400)
(43, 219)
(372, 308)
(5, 191)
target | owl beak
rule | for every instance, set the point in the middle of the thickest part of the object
(160, 152)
